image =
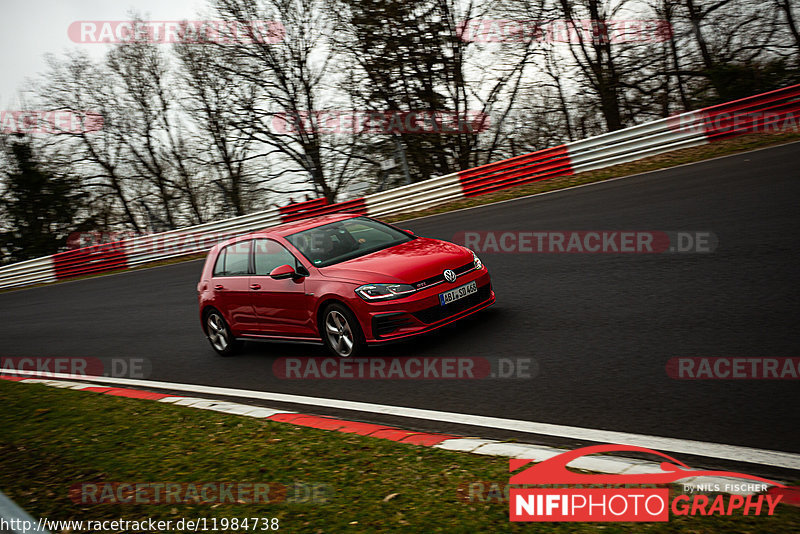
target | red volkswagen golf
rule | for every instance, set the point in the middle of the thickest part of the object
(342, 280)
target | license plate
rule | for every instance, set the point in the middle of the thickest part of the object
(458, 293)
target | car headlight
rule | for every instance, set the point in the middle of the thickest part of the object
(373, 292)
(476, 261)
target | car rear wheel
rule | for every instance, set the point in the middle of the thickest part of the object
(220, 336)
(341, 331)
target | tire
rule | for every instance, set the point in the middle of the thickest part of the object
(341, 332)
(219, 335)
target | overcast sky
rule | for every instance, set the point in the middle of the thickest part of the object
(31, 28)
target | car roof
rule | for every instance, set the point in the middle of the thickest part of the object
(301, 225)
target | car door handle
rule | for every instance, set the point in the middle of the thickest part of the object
(219, 287)
(255, 286)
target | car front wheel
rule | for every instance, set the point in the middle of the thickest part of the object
(341, 331)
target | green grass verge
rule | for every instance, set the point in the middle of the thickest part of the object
(54, 438)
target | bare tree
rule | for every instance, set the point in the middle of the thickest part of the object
(595, 56)
(78, 85)
(288, 81)
(788, 8)
(423, 57)
(223, 151)
(739, 46)
(210, 129)
(155, 137)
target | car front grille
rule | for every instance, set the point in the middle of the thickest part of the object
(440, 277)
(438, 312)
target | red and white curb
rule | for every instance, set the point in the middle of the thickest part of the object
(599, 464)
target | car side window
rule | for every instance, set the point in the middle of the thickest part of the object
(233, 260)
(270, 254)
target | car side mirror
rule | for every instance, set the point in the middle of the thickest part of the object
(282, 272)
(409, 232)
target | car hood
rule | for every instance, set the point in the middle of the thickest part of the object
(409, 262)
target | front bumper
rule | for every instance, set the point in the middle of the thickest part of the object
(397, 319)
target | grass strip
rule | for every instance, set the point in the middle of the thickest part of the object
(54, 438)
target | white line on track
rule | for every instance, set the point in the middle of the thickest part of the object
(698, 448)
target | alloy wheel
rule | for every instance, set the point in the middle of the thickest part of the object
(217, 332)
(340, 334)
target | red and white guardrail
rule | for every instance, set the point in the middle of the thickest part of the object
(772, 111)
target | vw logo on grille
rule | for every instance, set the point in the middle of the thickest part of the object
(449, 275)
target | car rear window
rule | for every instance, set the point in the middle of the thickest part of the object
(219, 267)
(233, 260)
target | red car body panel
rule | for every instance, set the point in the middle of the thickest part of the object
(421, 258)
(262, 307)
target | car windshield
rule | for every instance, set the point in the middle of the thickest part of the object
(344, 240)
